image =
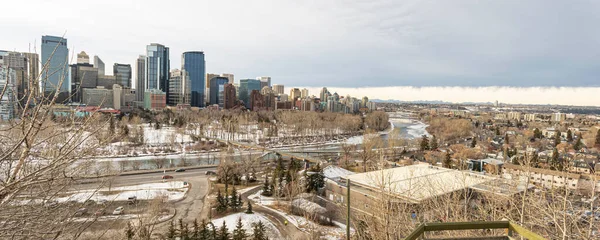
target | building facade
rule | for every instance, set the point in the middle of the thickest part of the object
(278, 89)
(99, 64)
(264, 81)
(295, 94)
(230, 96)
(194, 65)
(122, 73)
(246, 87)
(157, 67)
(140, 78)
(257, 101)
(228, 76)
(83, 75)
(8, 102)
(55, 55)
(217, 91)
(83, 58)
(179, 88)
(304, 93)
(155, 99)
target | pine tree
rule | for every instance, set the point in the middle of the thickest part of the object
(129, 233)
(569, 136)
(258, 231)
(195, 230)
(557, 138)
(223, 233)
(239, 233)
(221, 202)
(556, 164)
(578, 145)
(171, 233)
(433, 145)
(266, 190)
(537, 133)
(497, 131)
(183, 230)
(424, 143)
(233, 200)
(249, 208)
(239, 201)
(204, 232)
(447, 160)
(474, 142)
(506, 139)
(213, 232)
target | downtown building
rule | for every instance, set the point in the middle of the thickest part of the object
(123, 74)
(55, 58)
(22, 76)
(194, 64)
(278, 89)
(8, 102)
(179, 88)
(230, 96)
(140, 87)
(157, 75)
(264, 81)
(246, 88)
(217, 91)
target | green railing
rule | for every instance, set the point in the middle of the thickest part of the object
(450, 226)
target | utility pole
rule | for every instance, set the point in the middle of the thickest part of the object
(348, 208)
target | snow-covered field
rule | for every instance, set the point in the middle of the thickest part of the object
(247, 220)
(333, 172)
(172, 191)
(262, 200)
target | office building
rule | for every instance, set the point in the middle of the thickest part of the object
(194, 65)
(122, 73)
(99, 64)
(25, 67)
(83, 75)
(208, 77)
(8, 103)
(217, 91)
(269, 97)
(179, 88)
(558, 117)
(283, 98)
(140, 88)
(257, 101)
(364, 102)
(324, 94)
(155, 99)
(230, 96)
(246, 87)
(278, 89)
(55, 56)
(228, 76)
(83, 58)
(514, 116)
(264, 81)
(294, 94)
(106, 81)
(157, 68)
(304, 93)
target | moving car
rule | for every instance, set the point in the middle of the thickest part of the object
(210, 173)
(167, 177)
(99, 212)
(118, 211)
(180, 170)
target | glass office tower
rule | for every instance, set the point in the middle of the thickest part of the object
(194, 65)
(56, 55)
(157, 67)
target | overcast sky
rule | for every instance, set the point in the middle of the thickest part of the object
(337, 43)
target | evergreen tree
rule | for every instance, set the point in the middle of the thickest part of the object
(556, 164)
(433, 145)
(424, 143)
(239, 201)
(213, 232)
(259, 232)
(267, 188)
(557, 138)
(233, 199)
(506, 139)
(578, 145)
(447, 160)
(183, 230)
(597, 143)
(129, 233)
(195, 230)
(249, 208)
(171, 233)
(497, 131)
(223, 233)
(221, 202)
(569, 136)
(239, 233)
(316, 180)
(474, 142)
(537, 133)
(204, 232)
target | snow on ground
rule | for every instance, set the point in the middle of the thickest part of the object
(173, 190)
(242, 191)
(333, 172)
(247, 220)
(165, 135)
(262, 200)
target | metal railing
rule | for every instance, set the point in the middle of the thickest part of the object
(511, 228)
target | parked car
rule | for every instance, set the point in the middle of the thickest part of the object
(118, 211)
(167, 177)
(210, 173)
(180, 170)
(99, 212)
(131, 200)
(81, 211)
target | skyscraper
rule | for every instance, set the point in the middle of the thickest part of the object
(278, 89)
(140, 87)
(55, 55)
(229, 96)
(83, 75)
(82, 57)
(195, 67)
(99, 64)
(228, 76)
(265, 81)
(8, 103)
(179, 88)
(122, 73)
(295, 94)
(157, 67)
(304, 93)
(217, 90)
(323, 95)
(246, 87)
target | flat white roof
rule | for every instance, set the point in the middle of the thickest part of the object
(417, 182)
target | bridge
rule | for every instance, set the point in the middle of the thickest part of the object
(290, 155)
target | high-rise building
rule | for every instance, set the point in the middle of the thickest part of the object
(246, 87)
(230, 96)
(194, 65)
(217, 91)
(82, 57)
(294, 94)
(304, 93)
(265, 81)
(157, 67)
(228, 76)
(83, 75)
(364, 102)
(323, 95)
(7, 102)
(122, 73)
(269, 98)
(257, 101)
(99, 64)
(179, 88)
(25, 67)
(55, 56)
(33, 60)
(209, 76)
(140, 88)
(278, 89)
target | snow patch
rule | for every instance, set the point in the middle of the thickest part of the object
(247, 220)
